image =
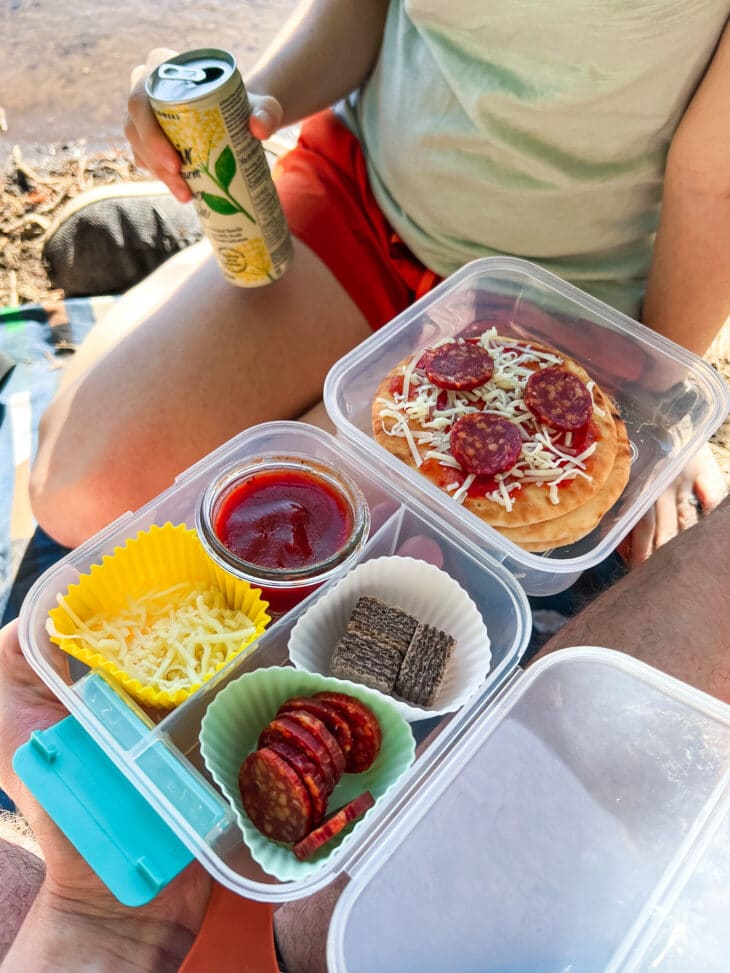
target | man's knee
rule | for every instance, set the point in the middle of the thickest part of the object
(306, 951)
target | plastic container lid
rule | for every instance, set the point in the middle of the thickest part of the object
(688, 928)
(549, 842)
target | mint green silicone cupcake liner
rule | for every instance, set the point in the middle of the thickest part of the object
(230, 730)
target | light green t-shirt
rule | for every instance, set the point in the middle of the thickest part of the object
(533, 128)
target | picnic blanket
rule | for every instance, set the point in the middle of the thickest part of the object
(35, 341)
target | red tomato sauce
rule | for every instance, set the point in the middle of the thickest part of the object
(396, 385)
(482, 486)
(283, 519)
(441, 475)
(582, 438)
(444, 476)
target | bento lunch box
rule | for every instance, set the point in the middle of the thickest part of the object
(162, 759)
(131, 789)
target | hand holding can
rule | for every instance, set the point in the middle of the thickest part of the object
(152, 151)
(201, 104)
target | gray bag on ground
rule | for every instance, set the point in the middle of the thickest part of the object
(109, 238)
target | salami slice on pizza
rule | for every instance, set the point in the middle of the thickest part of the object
(517, 432)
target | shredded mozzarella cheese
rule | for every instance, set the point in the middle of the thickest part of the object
(169, 640)
(463, 489)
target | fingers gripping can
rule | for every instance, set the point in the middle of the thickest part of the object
(201, 105)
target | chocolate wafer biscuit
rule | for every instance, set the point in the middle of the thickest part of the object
(422, 670)
(389, 625)
(361, 659)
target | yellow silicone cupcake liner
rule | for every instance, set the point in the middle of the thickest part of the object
(156, 559)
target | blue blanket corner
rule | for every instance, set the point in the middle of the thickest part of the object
(35, 341)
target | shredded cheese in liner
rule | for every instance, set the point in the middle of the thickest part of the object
(169, 640)
(542, 461)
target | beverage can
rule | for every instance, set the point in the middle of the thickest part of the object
(201, 104)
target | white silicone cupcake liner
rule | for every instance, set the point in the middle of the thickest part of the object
(414, 586)
(230, 730)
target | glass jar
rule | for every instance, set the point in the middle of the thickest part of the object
(285, 523)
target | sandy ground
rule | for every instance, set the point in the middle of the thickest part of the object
(66, 66)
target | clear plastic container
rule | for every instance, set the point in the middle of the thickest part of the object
(671, 400)
(588, 788)
(159, 752)
(575, 808)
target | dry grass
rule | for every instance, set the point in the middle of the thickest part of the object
(31, 195)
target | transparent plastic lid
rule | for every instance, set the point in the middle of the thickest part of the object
(555, 833)
(687, 928)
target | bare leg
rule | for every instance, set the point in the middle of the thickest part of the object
(182, 363)
(301, 929)
(671, 611)
(21, 876)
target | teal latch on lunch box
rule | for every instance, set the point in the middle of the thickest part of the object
(104, 817)
(109, 822)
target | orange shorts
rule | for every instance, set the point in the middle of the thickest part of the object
(326, 196)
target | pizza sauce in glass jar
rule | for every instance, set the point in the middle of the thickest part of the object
(283, 523)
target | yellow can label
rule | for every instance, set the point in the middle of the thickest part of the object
(227, 171)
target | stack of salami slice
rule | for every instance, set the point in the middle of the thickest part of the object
(517, 432)
(287, 782)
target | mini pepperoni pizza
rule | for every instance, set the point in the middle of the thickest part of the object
(517, 432)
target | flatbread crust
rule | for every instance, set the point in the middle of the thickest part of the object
(533, 507)
(573, 526)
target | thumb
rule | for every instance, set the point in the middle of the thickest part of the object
(267, 116)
